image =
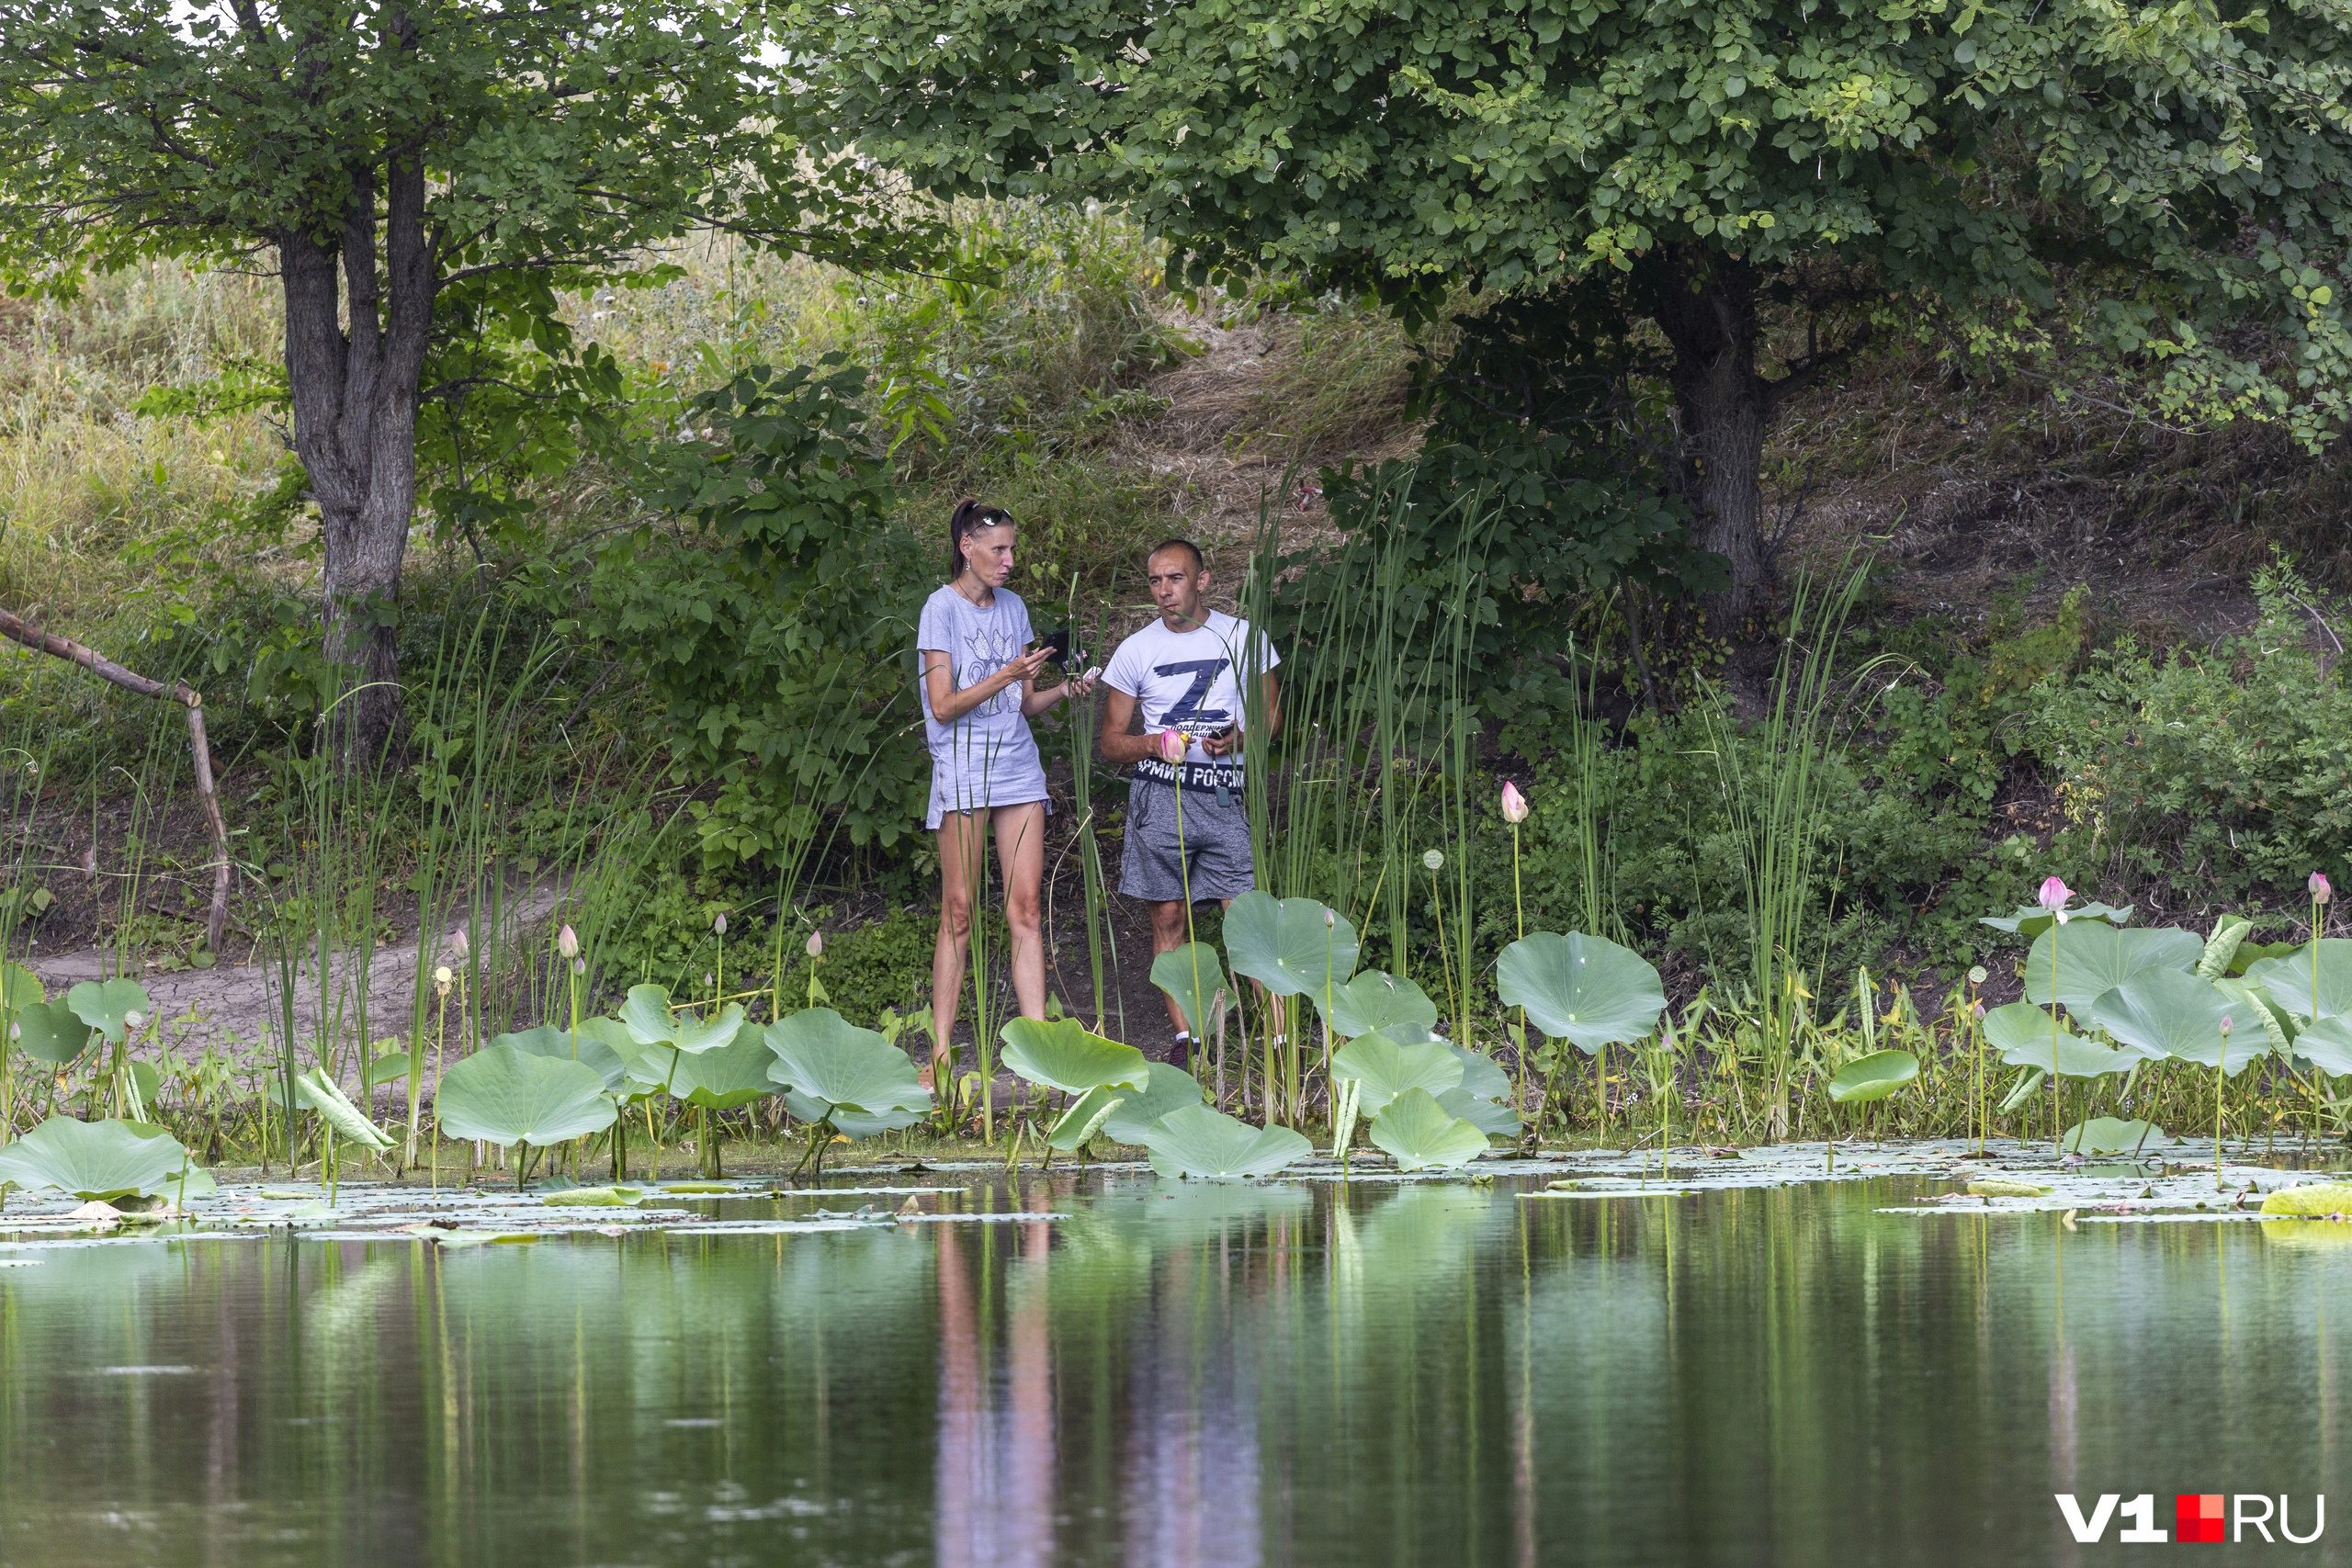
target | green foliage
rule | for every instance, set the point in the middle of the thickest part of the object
(101, 1159)
(778, 632)
(506, 1097)
(2225, 772)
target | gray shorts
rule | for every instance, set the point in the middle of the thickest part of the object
(1217, 841)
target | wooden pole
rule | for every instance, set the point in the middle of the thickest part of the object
(180, 692)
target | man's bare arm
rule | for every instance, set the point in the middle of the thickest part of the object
(1116, 745)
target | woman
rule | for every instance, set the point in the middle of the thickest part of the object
(979, 691)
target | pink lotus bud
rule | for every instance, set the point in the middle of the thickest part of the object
(2321, 891)
(2225, 1026)
(1514, 804)
(579, 966)
(816, 944)
(719, 924)
(2053, 897)
(1173, 744)
(459, 944)
(567, 942)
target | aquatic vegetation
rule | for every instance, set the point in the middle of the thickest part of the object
(1873, 1078)
(840, 1078)
(1382, 1070)
(508, 1097)
(1207, 1145)
(2109, 1135)
(1195, 977)
(105, 1159)
(1063, 1054)
(1417, 1131)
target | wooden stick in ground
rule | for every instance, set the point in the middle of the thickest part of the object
(105, 669)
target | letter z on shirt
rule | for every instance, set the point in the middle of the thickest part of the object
(1191, 680)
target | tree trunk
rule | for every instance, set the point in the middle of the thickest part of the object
(353, 367)
(1705, 304)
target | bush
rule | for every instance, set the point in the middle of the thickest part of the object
(2223, 776)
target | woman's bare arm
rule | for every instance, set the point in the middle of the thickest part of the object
(948, 703)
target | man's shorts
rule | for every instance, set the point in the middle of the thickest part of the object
(1217, 841)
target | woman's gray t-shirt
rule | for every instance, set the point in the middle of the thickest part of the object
(987, 758)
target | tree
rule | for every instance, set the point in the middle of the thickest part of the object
(402, 164)
(2167, 185)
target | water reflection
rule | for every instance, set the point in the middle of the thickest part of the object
(1135, 1374)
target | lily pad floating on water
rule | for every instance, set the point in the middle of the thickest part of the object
(106, 1005)
(595, 1198)
(1385, 1069)
(834, 1071)
(2003, 1187)
(2093, 959)
(101, 1160)
(1375, 1002)
(2108, 1135)
(1064, 1056)
(1416, 1131)
(2314, 1199)
(1207, 1145)
(1291, 946)
(506, 1097)
(2168, 1013)
(1872, 1077)
(1584, 990)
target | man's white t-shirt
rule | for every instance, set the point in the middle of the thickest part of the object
(1191, 680)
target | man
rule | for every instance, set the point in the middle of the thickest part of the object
(1185, 671)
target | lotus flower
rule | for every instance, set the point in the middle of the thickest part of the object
(816, 944)
(1514, 804)
(2225, 1026)
(1173, 744)
(718, 925)
(2321, 891)
(2054, 893)
(567, 942)
(459, 945)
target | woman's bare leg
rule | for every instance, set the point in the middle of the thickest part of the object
(961, 837)
(1021, 857)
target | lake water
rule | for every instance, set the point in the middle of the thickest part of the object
(1140, 1373)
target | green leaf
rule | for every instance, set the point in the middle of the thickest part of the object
(2170, 1013)
(834, 1068)
(2327, 1045)
(2222, 947)
(1580, 989)
(327, 1099)
(2094, 959)
(1374, 1003)
(591, 1050)
(100, 1159)
(733, 1075)
(2032, 919)
(1490, 1117)
(2287, 978)
(504, 1096)
(391, 1067)
(1208, 1144)
(1416, 1131)
(1172, 1089)
(1874, 1077)
(1481, 1078)
(1287, 946)
(20, 987)
(1385, 1069)
(1063, 1055)
(2022, 1033)
(53, 1032)
(2107, 1135)
(107, 1006)
(645, 1014)
(1077, 1127)
(1193, 975)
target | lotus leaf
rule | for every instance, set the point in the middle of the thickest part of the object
(52, 1032)
(590, 1048)
(1481, 1078)
(649, 1017)
(1076, 1125)
(1376, 1002)
(833, 1066)
(1415, 1129)
(1387, 1069)
(1198, 1141)
(2287, 978)
(2030, 1080)
(101, 1160)
(2108, 1135)
(2093, 959)
(504, 1096)
(594, 1197)
(2222, 947)
(2167, 1013)
(2022, 1032)
(2003, 1187)
(2032, 919)
(2311, 1198)
(1286, 946)
(20, 987)
(1581, 988)
(1191, 975)
(1063, 1055)
(2327, 1045)
(1172, 1089)
(735, 1074)
(1874, 1077)
(855, 1126)
(348, 1121)
(1490, 1117)
(392, 1067)
(106, 1005)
